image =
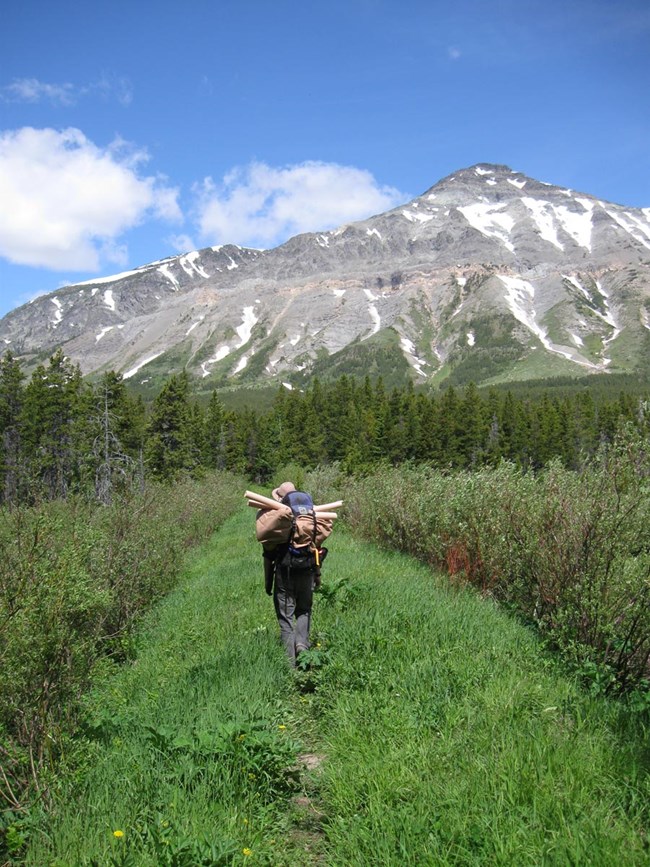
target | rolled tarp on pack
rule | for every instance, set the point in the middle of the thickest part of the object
(265, 502)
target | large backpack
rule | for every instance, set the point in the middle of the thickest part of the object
(301, 529)
(304, 527)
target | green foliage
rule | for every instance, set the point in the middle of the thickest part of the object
(74, 580)
(61, 435)
(453, 739)
(496, 351)
(376, 356)
(190, 753)
(568, 550)
(169, 440)
(447, 735)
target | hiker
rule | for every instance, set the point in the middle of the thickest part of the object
(292, 580)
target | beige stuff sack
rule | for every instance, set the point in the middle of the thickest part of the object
(304, 534)
(273, 528)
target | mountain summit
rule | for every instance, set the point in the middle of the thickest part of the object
(488, 275)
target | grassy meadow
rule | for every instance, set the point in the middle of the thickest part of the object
(431, 728)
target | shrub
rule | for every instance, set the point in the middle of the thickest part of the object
(568, 550)
(74, 579)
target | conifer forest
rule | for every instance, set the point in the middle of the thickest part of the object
(60, 434)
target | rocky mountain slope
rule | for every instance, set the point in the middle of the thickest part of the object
(489, 275)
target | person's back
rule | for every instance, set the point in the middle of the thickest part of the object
(291, 571)
(291, 530)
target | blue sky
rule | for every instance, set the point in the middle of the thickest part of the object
(131, 131)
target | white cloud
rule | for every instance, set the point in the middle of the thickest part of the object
(259, 205)
(182, 243)
(66, 202)
(454, 53)
(34, 91)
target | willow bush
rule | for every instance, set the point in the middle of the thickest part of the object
(74, 579)
(569, 550)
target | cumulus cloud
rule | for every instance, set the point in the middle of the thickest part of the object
(66, 202)
(261, 206)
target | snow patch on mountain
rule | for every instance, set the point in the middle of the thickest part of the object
(244, 331)
(577, 225)
(141, 364)
(114, 277)
(221, 353)
(194, 324)
(104, 331)
(109, 301)
(165, 271)
(609, 318)
(58, 312)
(542, 213)
(415, 217)
(489, 221)
(189, 264)
(520, 297)
(578, 285)
(632, 225)
(408, 348)
(376, 319)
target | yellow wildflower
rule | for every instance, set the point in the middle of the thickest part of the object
(118, 833)
(282, 727)
(247, 851)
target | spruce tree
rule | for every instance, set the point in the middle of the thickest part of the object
(168, 447)
(115, 436)
(11, 399)
(55, 426)
(214, 437)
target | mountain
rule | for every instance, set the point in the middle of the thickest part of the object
(489, 275)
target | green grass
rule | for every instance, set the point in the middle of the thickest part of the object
(453, 740)
(448, 737)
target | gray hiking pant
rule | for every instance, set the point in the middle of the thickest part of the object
(293, 596)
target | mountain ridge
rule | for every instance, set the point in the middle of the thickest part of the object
(488, 271)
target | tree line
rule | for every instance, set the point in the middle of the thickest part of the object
(61, 434)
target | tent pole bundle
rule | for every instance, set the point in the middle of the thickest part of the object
(258, 501)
